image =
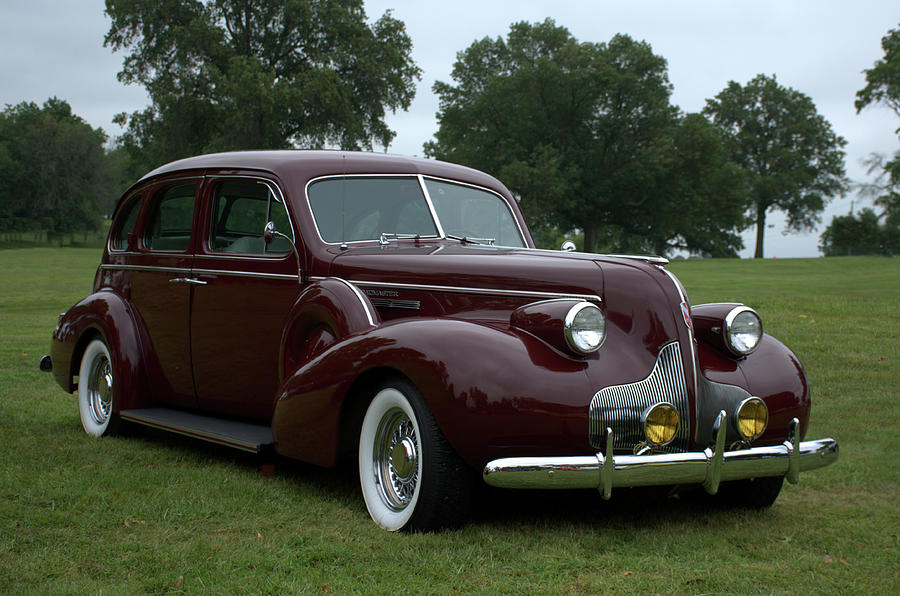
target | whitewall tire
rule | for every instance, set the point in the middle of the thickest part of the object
(409, 475)
(95, 390)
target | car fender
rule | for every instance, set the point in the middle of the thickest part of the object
(773, 373)
(493, 391)
(325, 311)
(108, 315)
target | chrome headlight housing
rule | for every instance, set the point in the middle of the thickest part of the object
(743, 330)
(585, 328)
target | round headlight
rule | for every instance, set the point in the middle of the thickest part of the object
(751, 418)
(585, 328)
(660, 424)
(743, 330)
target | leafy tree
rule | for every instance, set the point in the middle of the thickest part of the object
(241, 74)
(583, 133)
(850, 235)
(54, 174)
(883, 87)
(792, 158)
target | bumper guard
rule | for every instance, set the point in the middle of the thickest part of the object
(709, 467)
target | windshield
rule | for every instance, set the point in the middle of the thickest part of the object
(358, 208)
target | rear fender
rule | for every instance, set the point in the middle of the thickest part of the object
(325, 312)
(107, 315)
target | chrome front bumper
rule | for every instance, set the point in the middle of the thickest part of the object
(709, 467)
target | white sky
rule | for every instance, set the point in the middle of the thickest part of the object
(55, 47)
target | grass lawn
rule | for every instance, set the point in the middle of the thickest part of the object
(155, 513)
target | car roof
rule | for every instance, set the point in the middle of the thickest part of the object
(298, 165)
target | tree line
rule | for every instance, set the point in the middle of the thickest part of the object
(584, 134)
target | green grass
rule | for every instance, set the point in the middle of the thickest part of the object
(157, 513)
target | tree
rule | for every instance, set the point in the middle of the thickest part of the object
(242, 74)
(883, 87)
(850, 235)
(582, 133)
(54, 174)
(792, 158)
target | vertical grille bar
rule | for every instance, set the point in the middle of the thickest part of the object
(620, 406)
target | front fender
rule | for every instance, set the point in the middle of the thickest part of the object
(773, 373)
(108, 315)
(493, 391)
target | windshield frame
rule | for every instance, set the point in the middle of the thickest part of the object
(431, 209)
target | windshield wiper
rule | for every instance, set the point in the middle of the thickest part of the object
(386, 237)
(471, 239)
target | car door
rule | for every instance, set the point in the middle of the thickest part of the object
(248, 287)
(158, 265)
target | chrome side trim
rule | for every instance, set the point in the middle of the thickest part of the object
(362, 300)
(117, 267)
(709, 468)
(695, 363)
(254, 274)
(391, 303)
(466, 290)
(619, 407)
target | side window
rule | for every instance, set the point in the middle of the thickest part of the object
(172, 218)
(241, 210)
(125, 221)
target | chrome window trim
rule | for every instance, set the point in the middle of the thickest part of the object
(434, 215)
(272, 185)
(493, 192)
(421, 179)
(469, 290)
(381, 175)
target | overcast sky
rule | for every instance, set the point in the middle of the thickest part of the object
(55, 48)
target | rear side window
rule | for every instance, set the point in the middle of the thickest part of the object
(125, 223)
(171, 219)
(241, 210)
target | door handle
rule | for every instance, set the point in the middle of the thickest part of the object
(187, 280)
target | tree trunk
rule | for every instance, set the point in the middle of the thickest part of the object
(590, 238)
(760, 230)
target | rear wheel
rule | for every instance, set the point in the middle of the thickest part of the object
(411, 478)
(95, 391)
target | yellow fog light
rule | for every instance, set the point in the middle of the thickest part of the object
(751, 418)
(660, 424)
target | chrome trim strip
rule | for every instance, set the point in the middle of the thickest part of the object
(362, 300)
(254, 274)
(114, 267)
(709, 468)
(434, 216)
(695, 363)
(151, 268)
(465, 290)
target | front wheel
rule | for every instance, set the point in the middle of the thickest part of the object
(95, 391)
(411, 478)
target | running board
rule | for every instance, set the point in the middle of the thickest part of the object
(254, 438)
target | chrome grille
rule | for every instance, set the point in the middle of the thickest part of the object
(620, 407)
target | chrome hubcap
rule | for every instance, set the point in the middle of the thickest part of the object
(100, 382)
(396, 459)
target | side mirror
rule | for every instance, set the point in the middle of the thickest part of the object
(568, 246)
(269, 234)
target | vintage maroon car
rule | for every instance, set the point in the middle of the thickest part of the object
(327, 304)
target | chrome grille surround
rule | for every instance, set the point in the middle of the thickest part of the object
(619, 407)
